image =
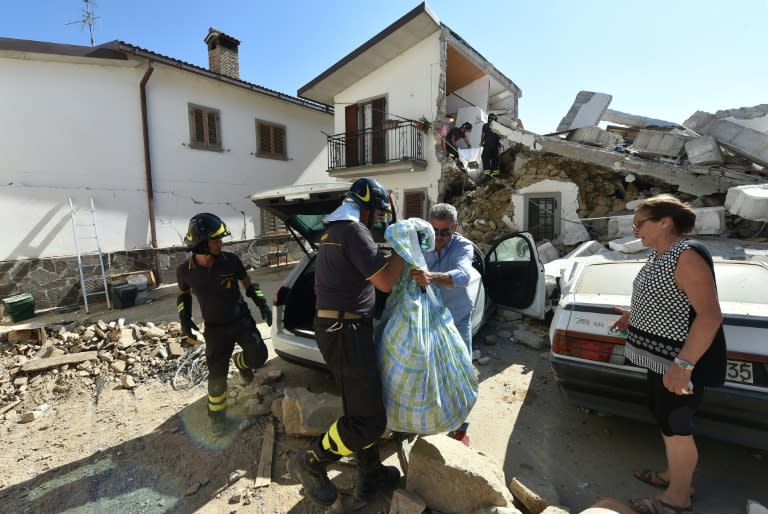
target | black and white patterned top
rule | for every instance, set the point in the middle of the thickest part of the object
(661, 312)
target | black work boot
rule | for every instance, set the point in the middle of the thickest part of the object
(372, 475)
(308, 467)
(219, 425)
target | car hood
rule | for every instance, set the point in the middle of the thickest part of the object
(302, 207)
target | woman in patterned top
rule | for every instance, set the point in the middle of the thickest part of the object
(674, 326)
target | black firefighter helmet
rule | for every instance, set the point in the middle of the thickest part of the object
(202, 227)
(368, 194)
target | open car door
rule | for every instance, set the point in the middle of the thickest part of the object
(514, 275)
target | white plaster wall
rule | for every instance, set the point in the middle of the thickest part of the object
(571, 232)
(474, 94)
(69, 129)
(188, 180)
(77, 132)
(409, 82)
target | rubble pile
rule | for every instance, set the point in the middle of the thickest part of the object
(52, 361)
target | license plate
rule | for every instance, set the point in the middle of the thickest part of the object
(739, 371)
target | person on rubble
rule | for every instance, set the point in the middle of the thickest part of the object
(349, 268)
(213, 276)
(458, 137)
(490, 142)
(448, 267)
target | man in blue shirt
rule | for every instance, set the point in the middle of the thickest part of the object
(449, 267)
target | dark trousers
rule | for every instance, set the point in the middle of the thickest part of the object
(219, 343)
(490, 160)
(348, 349)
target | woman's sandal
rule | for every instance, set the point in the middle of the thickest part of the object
(653, 478)
(657, 506)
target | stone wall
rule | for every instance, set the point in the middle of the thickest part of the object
(55, 282)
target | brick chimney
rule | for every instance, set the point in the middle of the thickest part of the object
(222, 53)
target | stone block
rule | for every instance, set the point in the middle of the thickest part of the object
(745, 141)
(306, 413)
(595, 136)
(628, 244)
(587, 110)
(530, 339)
(404, 502)
(664, 144)
(536, 497)
(704, 151)
(749, 202)
(453, 478)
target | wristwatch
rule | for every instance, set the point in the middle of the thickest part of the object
(684, 364)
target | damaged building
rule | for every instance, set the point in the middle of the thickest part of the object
(583, 181)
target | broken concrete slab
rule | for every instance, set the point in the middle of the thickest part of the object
(632, 120)
(587, 110)
(306, 413)
(755, 117)
(60, 360)
(629, 244)
(704, 151)
(749, 202)
(658, 143)
(742, 140)
(405, 502)
(594, 136)
(692, 179)
(535, 501)
(547, 252)
(453, 478)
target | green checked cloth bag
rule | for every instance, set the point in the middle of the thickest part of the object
(427, 376)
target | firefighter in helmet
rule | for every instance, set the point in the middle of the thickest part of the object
(349, 269)
(213, 276)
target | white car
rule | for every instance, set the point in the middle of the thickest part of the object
(511, 274)
(591, 370)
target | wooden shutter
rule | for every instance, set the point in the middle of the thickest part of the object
(198, 126)
(378, 147)
(213, 129)
(414, 204)
(350, 141)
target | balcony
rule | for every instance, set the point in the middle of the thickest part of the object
(398, 146)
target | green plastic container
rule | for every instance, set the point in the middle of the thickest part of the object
(20, 307)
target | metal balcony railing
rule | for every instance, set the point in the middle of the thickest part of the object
(394, 141)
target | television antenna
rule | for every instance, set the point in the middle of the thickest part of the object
(87, 19)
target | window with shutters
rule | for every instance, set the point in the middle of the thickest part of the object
(542, 215)
(414, 204)
(204, 128)
(271, 224)
(270, 140)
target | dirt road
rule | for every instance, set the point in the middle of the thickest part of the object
(149, 449)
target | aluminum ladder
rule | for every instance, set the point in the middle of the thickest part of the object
(91, 283)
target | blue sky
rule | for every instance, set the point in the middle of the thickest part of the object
(658, 58)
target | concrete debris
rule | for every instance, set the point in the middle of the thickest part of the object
(704, 151)
(531, 339)
(750, 202)
(534, 502)
(306, 413)
(629, 244)
(742, 140)
(405, 502)
(658, 143)
(51, 356)
(632, 120)
(587, 109)
(754, 507)
(595, 136)
(454, 478)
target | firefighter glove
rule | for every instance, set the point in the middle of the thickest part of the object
(255, 293)
(184, 305)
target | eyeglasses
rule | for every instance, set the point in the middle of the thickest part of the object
(443, 232)
(637, 225)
